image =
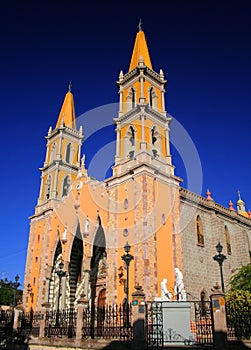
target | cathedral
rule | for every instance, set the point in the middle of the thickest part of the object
(82, 227)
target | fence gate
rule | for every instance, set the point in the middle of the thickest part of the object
(154, 324)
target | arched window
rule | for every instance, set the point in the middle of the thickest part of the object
(153, 136)
(66, 185)
(227, 240)
(153, 98)
(200, 236)
(131, 99)
(68, 153)
(129, 142)
(132, 136)
(48, 187)
(53, 153)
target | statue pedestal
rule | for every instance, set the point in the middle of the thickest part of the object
(176, 323)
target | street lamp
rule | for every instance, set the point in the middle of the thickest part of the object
(60, 274)
(220, 259)
(16, 284)
(127, 259)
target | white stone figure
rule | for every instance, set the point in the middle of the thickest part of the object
(64, 235)
(87, 224)
(165, 294)
(179, 289)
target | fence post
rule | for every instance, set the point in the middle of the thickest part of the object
(219, 319)
(17, 311)
(138, 318)
(45, 308)
(81, 305)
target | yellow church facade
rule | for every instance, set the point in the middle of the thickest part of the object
(84, 224)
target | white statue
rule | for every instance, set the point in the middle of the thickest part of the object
(179, 289)
(165, 294)
(87, 224)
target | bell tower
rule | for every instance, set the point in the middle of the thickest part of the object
(143, 191)
(62, 160)
(142, 123)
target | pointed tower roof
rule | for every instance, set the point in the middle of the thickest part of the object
(67, 114)
(140, 50)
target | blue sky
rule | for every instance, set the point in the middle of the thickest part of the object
(204, 48)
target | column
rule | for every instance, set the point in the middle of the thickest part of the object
(219, 320)
(117, 156)
(138, 318)
(143, 142)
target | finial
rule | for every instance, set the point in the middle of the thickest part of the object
(231, 205)
(121, 75)
(140, 25)
(161, 74)
(69, 87)
(209, 195)
(249, 214)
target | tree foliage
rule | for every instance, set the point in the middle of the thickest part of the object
(238, 307)
(7, 290)
(241, 280)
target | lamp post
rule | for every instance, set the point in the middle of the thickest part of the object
(220, 259)
(127, 258)
(60, 274)
(16, 284)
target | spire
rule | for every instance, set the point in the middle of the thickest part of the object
(67, 113)
(140, 49)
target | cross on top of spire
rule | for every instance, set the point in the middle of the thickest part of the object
(239, 194)
(70, 86)
(140, 25)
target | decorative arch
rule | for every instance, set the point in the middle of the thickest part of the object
(98, 262)
(76, 276)
(153, 97)
(227, 237)
(130, 141)
(200, 235)
(54, 280)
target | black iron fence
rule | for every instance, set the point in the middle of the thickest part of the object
(60, 323)
(108, 322)
(6, 325)
(154, 324)
(29, 323)
(201, 324)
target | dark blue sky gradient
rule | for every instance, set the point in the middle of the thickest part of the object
(204, 48)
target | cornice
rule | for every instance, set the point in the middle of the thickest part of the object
(136, 71)
(217, 208)
(147, 110)
(65, 129)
